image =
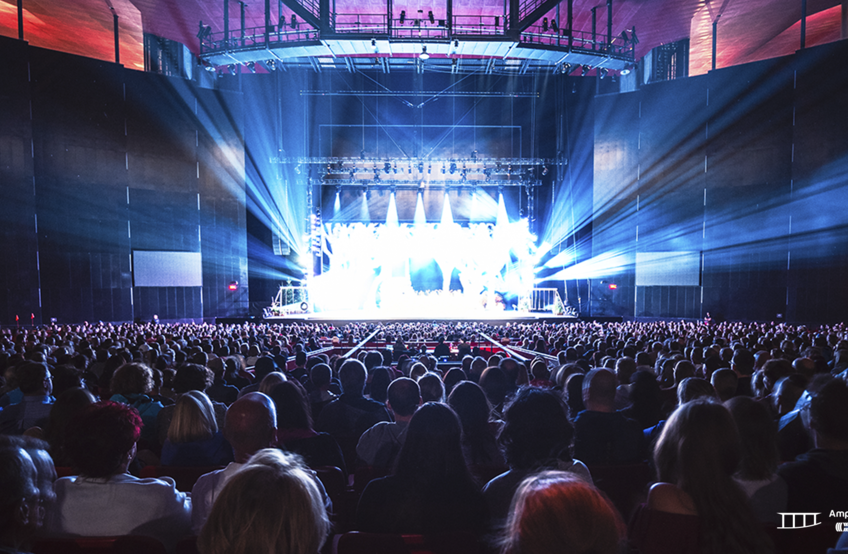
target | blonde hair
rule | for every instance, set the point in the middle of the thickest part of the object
(271, 505)
(194, 418)
(270, 381)
(555, 512)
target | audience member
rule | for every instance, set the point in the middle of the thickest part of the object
(104, 500)
(294, 429)
(537, 435)
(602, 435)
(757, 474)
(556, 512)
(479, 433)
(36, 385)
(818, 479)
(21, 514)
(431, 489)
(696, 457)
(272, 504)
(380, 444)
(251, 426)
(193, 435)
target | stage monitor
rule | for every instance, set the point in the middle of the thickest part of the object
(673, 269)
(167, 269)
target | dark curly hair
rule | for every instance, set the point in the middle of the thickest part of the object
(537, 430)
(99, 438)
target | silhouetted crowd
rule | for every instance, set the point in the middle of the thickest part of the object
(632, 437)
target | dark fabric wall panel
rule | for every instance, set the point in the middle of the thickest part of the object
(616, 172)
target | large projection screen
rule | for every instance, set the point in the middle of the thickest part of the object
(671, 269)
(167, 269)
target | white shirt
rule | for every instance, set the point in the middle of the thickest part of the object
(206, 490)
(121, 505)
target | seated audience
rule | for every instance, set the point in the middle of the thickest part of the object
(706, 510)
(432, 388)
(104, 500)
(131, 385)
(272, 504)
(479, 432)
(431, 489)
(36, 385)
(537, 435)
(757, 474)
(21, 514)
(295, 432)
(189, 377)
(193, 435)
(818, 479)
(602, 435)
(350, 415)
(380, 445)
(251, 426)
(556, 512)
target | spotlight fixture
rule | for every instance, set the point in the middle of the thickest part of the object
(387, 167)
(420, 167)
(282, 24)
(452, 168)
(545, 24)
(624, 37)
(634, 40)
(566, 68)
(544, 170)
(374, 45)
(585, 70)
(626, 71)
(294, 21)
(271, 65)
(424, 55)
(204, 32)
(603, 72)
(233, 286)
(233, 69)
(554, 26)
(402, 17)
(251, 66)
(474, 155)
(432, 17)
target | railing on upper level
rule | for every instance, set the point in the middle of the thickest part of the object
(376, 25)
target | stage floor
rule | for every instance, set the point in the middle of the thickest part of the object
(384, 316)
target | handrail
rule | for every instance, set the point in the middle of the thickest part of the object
(361, 344)
(506, 349)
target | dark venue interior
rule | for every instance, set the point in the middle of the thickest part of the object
(360, 277)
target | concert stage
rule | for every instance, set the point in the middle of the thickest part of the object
(381, 316)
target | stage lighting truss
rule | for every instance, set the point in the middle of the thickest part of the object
(422, 173)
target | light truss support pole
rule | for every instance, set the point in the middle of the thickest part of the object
(449, 20)
(389, 15)
(609, 26)
(570, 24)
